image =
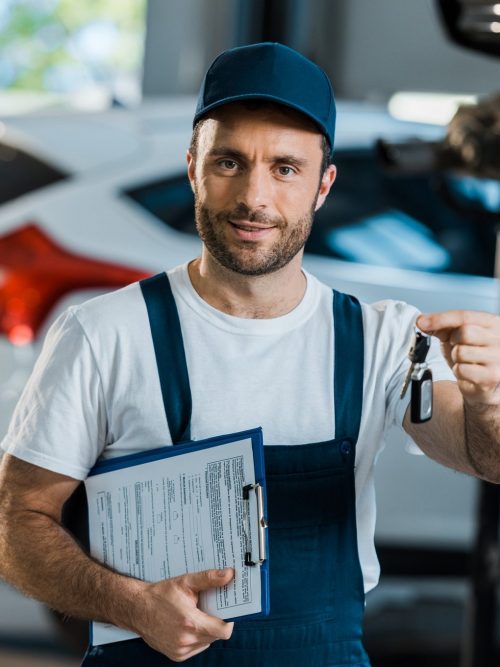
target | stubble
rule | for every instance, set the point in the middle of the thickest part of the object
(251, 258)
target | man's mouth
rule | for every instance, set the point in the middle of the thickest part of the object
(250, 231)
(249, 226)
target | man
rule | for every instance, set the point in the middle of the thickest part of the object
(260, 342)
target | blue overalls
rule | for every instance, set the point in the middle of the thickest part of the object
(317, 595)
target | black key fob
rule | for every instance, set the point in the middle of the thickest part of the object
(421, 397)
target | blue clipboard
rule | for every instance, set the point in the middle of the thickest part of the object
(161, 453)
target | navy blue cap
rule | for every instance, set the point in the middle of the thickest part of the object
(274, 72)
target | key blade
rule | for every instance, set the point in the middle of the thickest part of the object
(406, 383)
(419, 347)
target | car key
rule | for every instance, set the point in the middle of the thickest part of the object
(420, 377)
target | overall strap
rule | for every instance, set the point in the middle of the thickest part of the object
(348, 365)
(170, 355)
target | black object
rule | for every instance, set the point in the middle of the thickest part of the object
(472, 24)
(421, 397)
(420, 376)
(421, 380)
(480, 621)
(75, 516)
(22, 172)
(73, 631)
(248, 554)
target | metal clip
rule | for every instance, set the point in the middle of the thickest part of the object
(261, 522)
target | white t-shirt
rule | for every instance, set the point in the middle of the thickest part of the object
(95, 390)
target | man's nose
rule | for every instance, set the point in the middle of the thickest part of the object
(255, 189)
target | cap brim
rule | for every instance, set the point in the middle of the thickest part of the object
(272, 98)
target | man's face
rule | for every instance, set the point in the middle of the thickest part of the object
(256, 180)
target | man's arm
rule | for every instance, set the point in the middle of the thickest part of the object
(464, 432)
(39, 557)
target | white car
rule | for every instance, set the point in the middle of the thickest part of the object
(111, 187)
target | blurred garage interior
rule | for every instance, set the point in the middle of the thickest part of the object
(390, 62)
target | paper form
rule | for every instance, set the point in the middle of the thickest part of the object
(180, 514)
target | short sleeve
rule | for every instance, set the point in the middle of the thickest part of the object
(395, 406)
(59, 422)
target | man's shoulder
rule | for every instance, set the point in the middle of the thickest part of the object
(113, 311)
(388, 321)
(390, 312)
(121, 313)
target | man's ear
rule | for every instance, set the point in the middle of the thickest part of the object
(327, 180)
(191, 163)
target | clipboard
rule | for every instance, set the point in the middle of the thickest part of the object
(250, 510)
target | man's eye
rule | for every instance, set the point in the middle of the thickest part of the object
(285, 171)
(228, 164)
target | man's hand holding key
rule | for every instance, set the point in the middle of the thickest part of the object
(470, 341)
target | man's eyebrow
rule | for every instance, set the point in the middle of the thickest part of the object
(227, 151)
(288, 159)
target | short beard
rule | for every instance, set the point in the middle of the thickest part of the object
(250, 260)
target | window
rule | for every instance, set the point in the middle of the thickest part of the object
(81, 53)
(21, 173)
(170, 200)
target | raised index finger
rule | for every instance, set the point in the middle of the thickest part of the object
(441, 324)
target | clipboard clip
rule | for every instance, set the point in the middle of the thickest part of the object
(262, 523)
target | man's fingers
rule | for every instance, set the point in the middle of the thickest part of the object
(469, 334)
(184, 653)
(473, 354)
(202, 630)
(203, 581)
(214, 628)
(198, 649)
(177, 627)
(484, 377)
(436, 323)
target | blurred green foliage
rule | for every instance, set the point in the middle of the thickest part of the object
(58, 44)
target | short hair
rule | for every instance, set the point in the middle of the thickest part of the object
(257, 105)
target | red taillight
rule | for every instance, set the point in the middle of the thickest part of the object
(35, 272)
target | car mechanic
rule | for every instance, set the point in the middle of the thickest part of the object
(261, 343)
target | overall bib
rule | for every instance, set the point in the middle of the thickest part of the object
(316, 584)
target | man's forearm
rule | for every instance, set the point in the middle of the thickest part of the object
(482, 440)
(41, 559)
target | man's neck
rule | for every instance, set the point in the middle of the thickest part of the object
(253, 297)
